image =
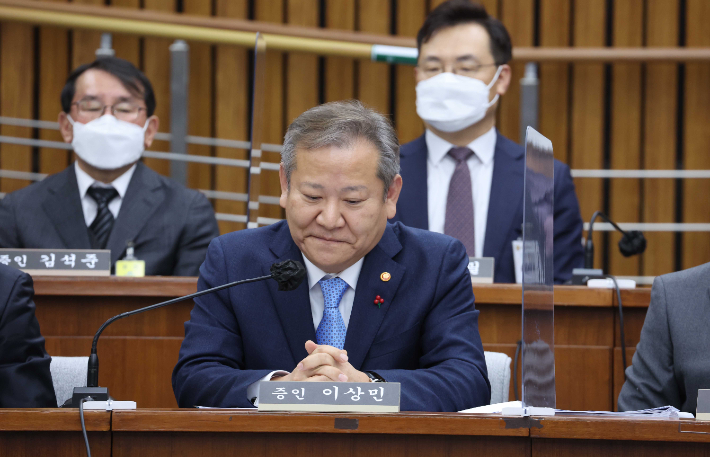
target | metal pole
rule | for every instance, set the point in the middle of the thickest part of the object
(106, 46)
(529, 97)
(179, 80)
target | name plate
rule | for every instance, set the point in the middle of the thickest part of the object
(346, 397)
(702, 413)
(59, 262)
(481, 269)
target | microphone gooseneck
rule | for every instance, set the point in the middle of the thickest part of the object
(631, 243)
(289, 274)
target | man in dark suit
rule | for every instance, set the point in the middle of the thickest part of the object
(462, 177)
(107, 198)
(381, 302)
(671, 361)
(25, 380)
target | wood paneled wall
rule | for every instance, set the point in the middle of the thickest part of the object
(620, 116)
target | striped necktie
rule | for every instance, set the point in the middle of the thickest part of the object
(103, 223)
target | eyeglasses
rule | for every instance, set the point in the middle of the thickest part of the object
(462, 69)
(93, 109)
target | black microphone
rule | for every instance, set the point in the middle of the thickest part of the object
(288, 274)
(631, 243)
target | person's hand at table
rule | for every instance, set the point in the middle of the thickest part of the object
(324, 363)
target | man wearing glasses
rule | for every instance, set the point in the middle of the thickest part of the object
(462, 177)
(107, 198)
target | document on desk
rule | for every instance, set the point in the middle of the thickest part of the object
(664, 412)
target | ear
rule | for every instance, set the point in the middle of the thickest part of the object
(506, 75)
(284, 186)
(393, 196)
(65, 127)
(151, 130)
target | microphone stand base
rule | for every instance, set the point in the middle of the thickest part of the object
(580, 276)
(95, 393)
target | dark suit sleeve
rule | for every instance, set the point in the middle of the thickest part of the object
(8, 224)
(568, 253)
(453, 374)
(25, 379)
(210, 369)
(650, 380)
(200, 229)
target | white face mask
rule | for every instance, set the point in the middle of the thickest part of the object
(108, 143)
(450, 102)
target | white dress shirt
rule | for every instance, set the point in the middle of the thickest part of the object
(350, 275)
(88, 204)
(440, 169)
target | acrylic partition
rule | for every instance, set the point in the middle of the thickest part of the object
(538, 356)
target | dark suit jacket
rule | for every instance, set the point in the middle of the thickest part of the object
(25, 380)
(505, 207)
(170, 225)
(424, 336)
(671, 361)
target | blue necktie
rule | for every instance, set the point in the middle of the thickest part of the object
(331, 330)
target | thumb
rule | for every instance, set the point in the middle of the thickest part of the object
(310, 346)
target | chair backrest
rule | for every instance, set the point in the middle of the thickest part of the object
(498, 365)
(67, 373)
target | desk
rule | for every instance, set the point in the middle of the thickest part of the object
(53, 432)
(187, 432)
(138, 353)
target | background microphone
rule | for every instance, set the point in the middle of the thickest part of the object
(631, 243)
(288, 274)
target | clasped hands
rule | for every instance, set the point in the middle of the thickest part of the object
(324, 363)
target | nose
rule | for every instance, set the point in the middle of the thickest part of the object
(330, 216)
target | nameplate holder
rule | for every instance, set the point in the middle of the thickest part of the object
(481, 269)
(702, 413)
(330, 397)
(59, 262)
(133, 268)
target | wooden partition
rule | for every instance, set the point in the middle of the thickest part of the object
(137, 354)
(620, 116)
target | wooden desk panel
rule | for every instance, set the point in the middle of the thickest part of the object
(53, 432)
(138, 353)
(220, 432)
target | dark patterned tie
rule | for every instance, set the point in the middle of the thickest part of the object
(103, 223)
(459, 202)
(331, 330)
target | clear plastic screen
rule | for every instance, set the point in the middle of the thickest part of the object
(538, 356)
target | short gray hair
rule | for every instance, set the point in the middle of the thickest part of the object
(342, 124)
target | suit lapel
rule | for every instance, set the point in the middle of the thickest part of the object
(143, 196)
(506, 195)
(63, 207)
(366, 317)
(413, 202)
(293, 307)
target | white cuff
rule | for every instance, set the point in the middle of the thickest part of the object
(253, 389)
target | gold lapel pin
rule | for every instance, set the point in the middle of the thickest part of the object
(385, 276)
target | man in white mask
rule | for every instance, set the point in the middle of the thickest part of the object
(107, 197)
(462, 177)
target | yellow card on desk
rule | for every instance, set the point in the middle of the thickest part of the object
(134, 268)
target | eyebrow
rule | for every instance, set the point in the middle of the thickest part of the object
(119, 100)
(458, 59)
(312, 185)
(353, 188)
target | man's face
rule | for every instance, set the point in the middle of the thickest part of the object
(97, 88)
(464, 50)
(335, 206)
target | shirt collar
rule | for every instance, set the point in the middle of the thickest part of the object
(85, 181)
(350, 275)
(484, 146)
